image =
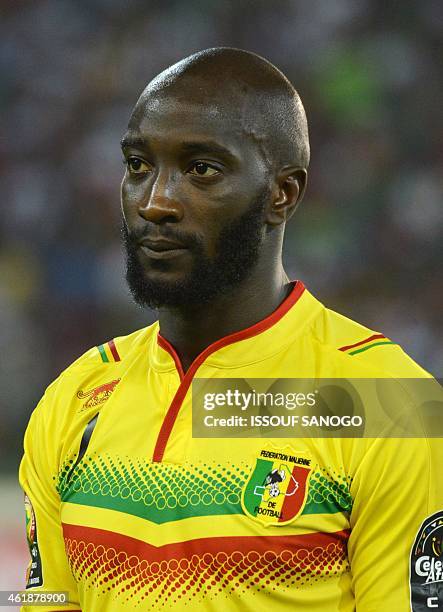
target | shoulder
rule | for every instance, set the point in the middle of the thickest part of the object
(114, 351)
(78, 394)
(357, 347)
(95, 372)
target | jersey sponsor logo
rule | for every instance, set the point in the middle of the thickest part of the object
(34, 574)
(275, 492)
(426, 565)
(98, 395)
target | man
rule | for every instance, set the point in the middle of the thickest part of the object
(127, 510)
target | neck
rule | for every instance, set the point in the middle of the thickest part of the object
(190, 331)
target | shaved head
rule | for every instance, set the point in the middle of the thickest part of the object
(244, 89)
(216, 157)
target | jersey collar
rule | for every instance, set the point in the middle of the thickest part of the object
(249, 345)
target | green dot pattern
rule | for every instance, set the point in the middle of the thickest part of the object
(163, 492)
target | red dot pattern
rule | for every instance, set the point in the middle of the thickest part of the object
(191, 579)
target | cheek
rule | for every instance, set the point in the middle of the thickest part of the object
(212, 213)
(211, 225)
(211, 242)
(129, 199)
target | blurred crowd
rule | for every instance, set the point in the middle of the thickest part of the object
(367, 239)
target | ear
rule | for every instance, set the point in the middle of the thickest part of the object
(289, 189)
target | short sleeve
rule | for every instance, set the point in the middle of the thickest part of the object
(48, 568)
(397, 486)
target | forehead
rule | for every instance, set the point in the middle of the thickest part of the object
(169, 119)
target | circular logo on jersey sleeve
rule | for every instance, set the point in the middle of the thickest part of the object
(426, 566)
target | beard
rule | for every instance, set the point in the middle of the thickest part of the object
(236, 254)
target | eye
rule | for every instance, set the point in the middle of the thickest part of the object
(136, 165)
(204, 169)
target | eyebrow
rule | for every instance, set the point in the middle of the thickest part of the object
(133, 141)
(201, 147)
(208, 147)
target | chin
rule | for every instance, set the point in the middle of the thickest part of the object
(158, 289)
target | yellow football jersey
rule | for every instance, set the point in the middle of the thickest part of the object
(126, 510)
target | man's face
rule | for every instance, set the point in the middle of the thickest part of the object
(193, 200)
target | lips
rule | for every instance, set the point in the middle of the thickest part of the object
(158, 248)
(160, 244)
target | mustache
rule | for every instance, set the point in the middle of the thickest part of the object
(155, 232)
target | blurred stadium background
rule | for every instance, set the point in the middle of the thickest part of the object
(367, 240)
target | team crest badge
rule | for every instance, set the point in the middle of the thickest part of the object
(275, 493)
(98, 395)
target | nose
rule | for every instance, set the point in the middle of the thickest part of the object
(160, 204)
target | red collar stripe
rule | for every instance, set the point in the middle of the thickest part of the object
(186, 379)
